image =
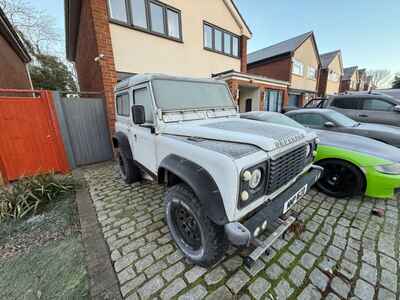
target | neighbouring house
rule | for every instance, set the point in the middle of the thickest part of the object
(330, 74)
(296, 61)
(349, 80)
(110, 40)
(362, 79)
(14, 58)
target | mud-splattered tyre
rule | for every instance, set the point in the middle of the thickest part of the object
(130, 173)
(203, 242)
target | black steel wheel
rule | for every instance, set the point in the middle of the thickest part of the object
(340, 179)
(203, 242)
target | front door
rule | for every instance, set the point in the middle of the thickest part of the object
(294, 100)
(273, 101)
(142, 137)
(248, 105)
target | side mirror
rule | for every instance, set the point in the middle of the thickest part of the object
(329, 124)
(138, 114)
(397, 108)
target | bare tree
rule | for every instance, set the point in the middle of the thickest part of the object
(35, 26)
(380, 78)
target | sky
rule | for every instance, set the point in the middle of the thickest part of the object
(367, 31)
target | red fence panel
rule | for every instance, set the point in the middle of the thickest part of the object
(30, 140)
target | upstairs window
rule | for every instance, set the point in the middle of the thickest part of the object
(312, 73)
(220, 40)
(333, 76)
(147, 15)
(297, 67)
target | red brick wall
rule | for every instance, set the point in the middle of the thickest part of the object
(277, 69)
(243, 54)
(322, 82)
(13, 73)
(344, 86)
(94, 39)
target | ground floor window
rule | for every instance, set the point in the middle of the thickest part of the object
(273, 100)
(294, 100)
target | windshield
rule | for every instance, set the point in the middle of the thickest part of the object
(341, 119)
(183, 95)
(280, 120)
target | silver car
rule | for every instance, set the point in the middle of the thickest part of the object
(327, 119)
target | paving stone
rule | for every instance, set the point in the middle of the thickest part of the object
(316, 249)
(274, 271)
(144, 263)
(126, 275)
(132, 285)
(286, 259)
(125, 261)
(233, 263)
(389, 280)
(136, 244)
(195, 273)
(173, 271)
(319, 279)
(155, 268)
(334, 252)
(174, 257)
(147, 249)
(222, 293)
(174, 288)
(115, 255)
(297, 276)
(339, 242)
(256, 267)
(198, 292)
(340, 287)
(388, 263)
(364, 290)
(151, 287)
(368, 273)
(215, 276)
(307, 260)
(384, 294)
(237, 281)
(327, 264)
(259, 287)
(369, 257)
(296, 247)
(162, 251)
(283, 290)
(348, 269)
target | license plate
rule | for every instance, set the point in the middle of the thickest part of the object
(294, 199)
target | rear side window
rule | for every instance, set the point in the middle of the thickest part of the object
(346, 103)
(377, 104)
(310, 119)
(123, 105)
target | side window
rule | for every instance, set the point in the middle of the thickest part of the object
(123, 105)
(311, 120)
(346, 103)
(142, 97)
(377, 104)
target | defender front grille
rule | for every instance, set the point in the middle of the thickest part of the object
(285, 168)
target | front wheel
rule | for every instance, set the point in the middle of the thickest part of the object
(203, 242)
(340, 179)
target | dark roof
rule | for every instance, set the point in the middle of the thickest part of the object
(348, 72)
(327, 58)
(11, 36)
(281, 48)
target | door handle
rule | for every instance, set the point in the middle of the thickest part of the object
(363, 116)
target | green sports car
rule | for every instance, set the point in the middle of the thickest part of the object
(353, 165)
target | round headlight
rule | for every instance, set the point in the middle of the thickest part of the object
(255, 178)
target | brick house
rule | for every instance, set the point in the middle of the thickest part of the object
(295, 61)
(362, 79)
(109, 40)
(349, 81)
(330, 74)
(14, 58)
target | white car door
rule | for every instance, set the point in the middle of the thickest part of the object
(143, 137)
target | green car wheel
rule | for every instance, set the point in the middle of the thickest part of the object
(341, 179)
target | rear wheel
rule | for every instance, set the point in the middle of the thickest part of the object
(203, 242)
(130, 173)
(341, 179)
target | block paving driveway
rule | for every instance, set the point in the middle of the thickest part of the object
(345, 252)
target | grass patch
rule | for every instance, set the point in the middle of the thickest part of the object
(42, 257)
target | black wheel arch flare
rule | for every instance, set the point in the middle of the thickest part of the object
(121, 141)
(200, 181)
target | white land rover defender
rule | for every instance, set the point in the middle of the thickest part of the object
(228, 178)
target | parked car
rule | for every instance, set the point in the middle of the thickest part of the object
(352, 164)
(227, 178)
(327, 119)
(369, 108)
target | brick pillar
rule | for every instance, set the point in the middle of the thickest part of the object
(262, 98)
(99, 12)
(234, 88)
(285, 97)
(243, 54)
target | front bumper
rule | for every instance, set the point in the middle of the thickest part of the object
(242, 234)
(380, 185)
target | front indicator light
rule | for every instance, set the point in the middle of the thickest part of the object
(393, 169)
(244, 196)
(247, 176)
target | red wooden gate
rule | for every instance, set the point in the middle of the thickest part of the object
(30, 140)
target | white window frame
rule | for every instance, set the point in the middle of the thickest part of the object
(311, 73)
(297, 64)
